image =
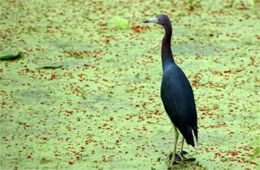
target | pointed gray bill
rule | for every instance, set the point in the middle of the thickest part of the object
(153, 20)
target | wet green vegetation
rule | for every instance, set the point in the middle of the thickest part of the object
(85, 93)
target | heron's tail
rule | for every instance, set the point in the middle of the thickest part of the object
(191, 135)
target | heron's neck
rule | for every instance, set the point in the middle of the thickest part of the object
(166, 51)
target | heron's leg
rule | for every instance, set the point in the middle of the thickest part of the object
(182, 143)
(182, 153)
(176, 135)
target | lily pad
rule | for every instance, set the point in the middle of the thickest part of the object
(59, 64)
(50, 65)
(121, 23)
(10, 55)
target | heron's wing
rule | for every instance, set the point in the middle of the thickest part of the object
(178, 100)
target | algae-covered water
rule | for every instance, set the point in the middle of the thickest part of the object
(85, 92)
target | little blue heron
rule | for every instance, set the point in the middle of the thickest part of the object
(176, 92)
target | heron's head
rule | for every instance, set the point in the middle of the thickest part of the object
(161, 19)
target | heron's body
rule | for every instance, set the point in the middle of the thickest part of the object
(178, 101)
(176, 91)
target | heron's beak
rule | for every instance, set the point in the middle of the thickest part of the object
(152, 20)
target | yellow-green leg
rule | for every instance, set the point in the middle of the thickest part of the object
(182, 153)
(176, 135)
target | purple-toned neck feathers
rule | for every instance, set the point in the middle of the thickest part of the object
(166, 43)
(166, 51)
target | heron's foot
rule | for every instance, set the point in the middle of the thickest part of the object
(180, 157)
(184, 159)
(184, 152)
(177, 158)
(173, 162)
(191, 159)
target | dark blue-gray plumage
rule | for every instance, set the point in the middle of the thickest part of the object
(178, 101)
(176, 91)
